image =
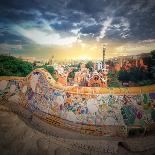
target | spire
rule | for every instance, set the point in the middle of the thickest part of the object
(104, 49)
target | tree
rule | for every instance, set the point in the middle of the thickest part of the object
(137, 75)
(113, 79)
(89, 65)
(72, 73)
(123, 76)
(152, 66)
(110, 63)
(11, 66)
(50, 69)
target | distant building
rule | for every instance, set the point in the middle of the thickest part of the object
(99, 66)
(97, 80)
(28, 59)
(62, 78)
(39, 63)
(117, 67)
(59, 69)
(62, 74)
(81, 76)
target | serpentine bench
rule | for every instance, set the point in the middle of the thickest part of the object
(95, 111)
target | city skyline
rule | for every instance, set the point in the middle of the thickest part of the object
(73, 29)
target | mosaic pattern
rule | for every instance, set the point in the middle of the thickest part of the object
(39, 93)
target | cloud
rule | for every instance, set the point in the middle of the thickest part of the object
(61, 22)
(105, 26)
(123, 26)
(75, 31)
(136, 48)
(62, 25)
(147, 41)
(48, 37)
(86, 6)
(92, 29)
(7, 48)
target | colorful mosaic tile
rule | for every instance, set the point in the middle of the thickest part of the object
(85, 108)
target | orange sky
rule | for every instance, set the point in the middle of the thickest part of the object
(93, 50)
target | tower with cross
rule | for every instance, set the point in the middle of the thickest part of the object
(103, 55)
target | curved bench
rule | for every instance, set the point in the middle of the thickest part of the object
(87, 110)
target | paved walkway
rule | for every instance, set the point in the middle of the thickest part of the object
(16, 137)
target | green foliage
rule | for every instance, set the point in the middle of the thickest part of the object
(71, 75)
(123, 75)
(110, 63)
(113, 79)
(147, 61)
(89, 65)
(150, 62)
(11, 66)
(78, 65)
(114, 84)
(145, 82)
(138, 75)
(54, 77)
(50, 69)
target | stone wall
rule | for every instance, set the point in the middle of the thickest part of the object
(92, 111)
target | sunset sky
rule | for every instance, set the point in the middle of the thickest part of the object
(76, 29)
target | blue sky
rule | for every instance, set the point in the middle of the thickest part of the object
(67, 28)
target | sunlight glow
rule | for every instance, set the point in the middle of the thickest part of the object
(84, 57)
(50, 37)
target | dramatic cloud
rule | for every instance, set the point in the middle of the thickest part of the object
(49, 37)
(65, 22)
(106, 25)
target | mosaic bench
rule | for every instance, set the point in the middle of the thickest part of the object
(95, 111)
